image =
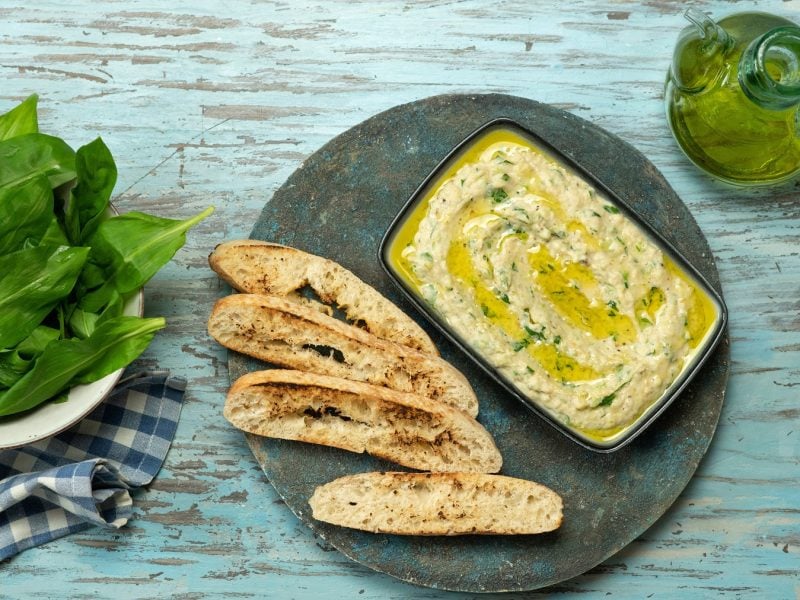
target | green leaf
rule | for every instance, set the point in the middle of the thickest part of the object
(96, 177)
(533, 334)
(610, 208)
(28, 156)
(12, 367)
(498, 194)
(92, 276)
(66, 363)
(20, 120)
(32, 282)
(37, 341)
(521, 344)
(54, 236)
(607, 400)
(15, 363)
(82, 323)
(25, 214)
(118, 342)
(131, 248)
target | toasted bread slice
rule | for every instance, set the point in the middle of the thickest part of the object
(403, 428)
(286, 334)
(438, 504)
(259, 267)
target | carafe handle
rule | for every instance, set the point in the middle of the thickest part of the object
(699, 57)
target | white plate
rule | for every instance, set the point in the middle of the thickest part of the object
(51, 418)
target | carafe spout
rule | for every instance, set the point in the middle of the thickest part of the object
(769, 69)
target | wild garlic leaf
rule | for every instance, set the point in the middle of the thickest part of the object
(118, 342)
(54, 236)
(92, 277)
(28, 156)
(25, 214)
(37, 341)
(96, 176)
(20, 120)
(130, 249)
(607, 400)
(66, 363)
(82, 323)
(32, 282)
(12, 367)
(15, 363)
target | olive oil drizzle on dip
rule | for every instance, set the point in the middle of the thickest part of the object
(546, 279)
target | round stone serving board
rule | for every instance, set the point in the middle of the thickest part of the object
(339, 203)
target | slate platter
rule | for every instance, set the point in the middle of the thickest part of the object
(339, 203)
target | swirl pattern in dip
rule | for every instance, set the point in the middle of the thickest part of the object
(554, 286)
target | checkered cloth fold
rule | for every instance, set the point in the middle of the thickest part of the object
(84, 476)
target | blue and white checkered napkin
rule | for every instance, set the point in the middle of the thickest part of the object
(83, 476)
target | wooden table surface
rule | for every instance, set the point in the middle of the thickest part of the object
(218, 103)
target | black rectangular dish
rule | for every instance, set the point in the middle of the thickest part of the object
(553, 285)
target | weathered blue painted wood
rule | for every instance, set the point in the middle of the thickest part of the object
(214, 103)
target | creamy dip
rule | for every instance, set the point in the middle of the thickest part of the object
(554, 286)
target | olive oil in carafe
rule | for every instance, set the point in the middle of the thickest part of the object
(732, 97)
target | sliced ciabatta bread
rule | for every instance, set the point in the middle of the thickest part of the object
(286, 334)
(403, 428)
(259, 267)
(438, 504)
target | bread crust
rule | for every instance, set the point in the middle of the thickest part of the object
(359, 417)
(258, 267)
(284, 333)
(438, 504)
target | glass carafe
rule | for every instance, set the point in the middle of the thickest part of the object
(732, 96)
